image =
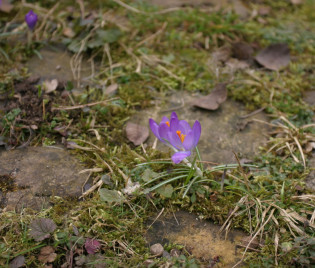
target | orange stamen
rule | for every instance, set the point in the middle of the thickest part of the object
(167, 123)
(180, 135)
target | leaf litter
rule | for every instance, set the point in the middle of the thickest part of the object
(42, 228)
(214, 99)
(274, 57)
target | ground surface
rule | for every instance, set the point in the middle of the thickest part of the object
(80, 185)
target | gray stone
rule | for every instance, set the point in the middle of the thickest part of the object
(222, 131)
(310, 180)
(157, 250)
(41, 172)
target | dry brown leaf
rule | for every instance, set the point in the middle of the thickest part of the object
(274, 57)
(235, 64)
(296, 2)
(41, 228)
(242, 51)
(136, 133)
(111, 90)
(17, 262)
(50, 86)
(264, 10)
(310, 146)
(214, 99)
(47, 254)
(68, 32)
(6, 6)
(222, 54)
(242, 9)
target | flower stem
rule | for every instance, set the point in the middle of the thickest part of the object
(198, 170)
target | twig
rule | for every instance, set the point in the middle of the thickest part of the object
(82, 105)
(253, 113)
(95, 186)
(151, 37)
(158, 216)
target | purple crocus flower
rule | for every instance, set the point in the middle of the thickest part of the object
(178, 134)
(31, 19)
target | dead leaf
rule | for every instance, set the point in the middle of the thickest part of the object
(41, 228)
(242, 9)
(92, 245)
(111, 90)
(214, 99)
(50, 86)
(136, 133)
(235, 64)
(242, 51)
(222, 54)
(47, 254)
(6, 6)
(310, 146)
(17, 262)
(68, 32)
(264, 10)
(296, 2)
(274, 57)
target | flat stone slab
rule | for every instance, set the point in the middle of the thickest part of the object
(39, 173)
(201, 237)
(223, 131)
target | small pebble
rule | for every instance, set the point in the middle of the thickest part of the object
(157, 250)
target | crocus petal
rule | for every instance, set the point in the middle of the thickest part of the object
(196, 129)
(173, 115)
(174, 139)
(31, 19)
(189, 142)
(174, 124)
(164, 119)
(184, 127)
(179, 156)
(155, 128)
(164, 130)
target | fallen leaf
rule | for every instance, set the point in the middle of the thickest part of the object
(47, 254)
(264, 10)
(242, 51)
(6, 6)
(136, 133)
(214, 99)
(222, 54)
(310, 146)
(274, 57)
(41, 228)
(68, 32)
(241, 9)
(111, 196)
(92, 245)
(17, 262)
(296, 2)
(111, 90)
(235, 64)
(50, 86)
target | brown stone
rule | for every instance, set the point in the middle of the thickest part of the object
(40, 172)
